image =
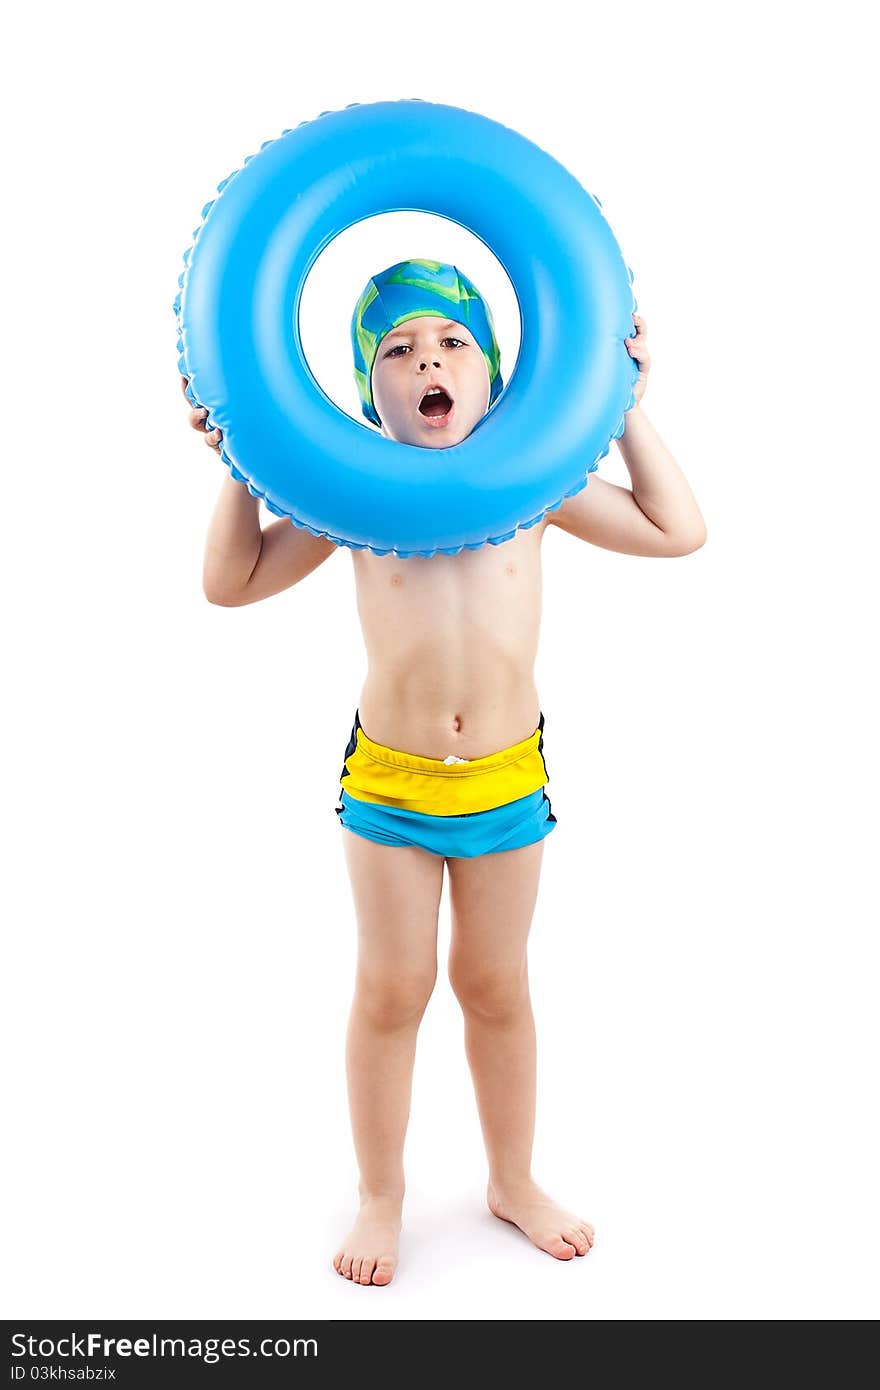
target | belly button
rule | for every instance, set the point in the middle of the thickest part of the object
(456, 723)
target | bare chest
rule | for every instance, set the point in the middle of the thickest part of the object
(499, 583)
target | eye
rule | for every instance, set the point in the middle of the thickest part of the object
(401, 347)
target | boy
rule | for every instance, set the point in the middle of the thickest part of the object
(447, 766)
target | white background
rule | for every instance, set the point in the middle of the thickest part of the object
(179, 939)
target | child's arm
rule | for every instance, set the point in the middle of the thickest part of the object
(660, 517)
(242, 562)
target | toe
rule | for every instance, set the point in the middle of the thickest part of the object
(356, 1269)
(384, 1272)
(345, 1267)
(367, 1267)
(560, 1247)
(576, 1238)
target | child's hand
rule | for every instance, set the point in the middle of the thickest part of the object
(638, 350)
(197, 420)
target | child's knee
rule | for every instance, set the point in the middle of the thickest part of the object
(395, 997)
(492, 993)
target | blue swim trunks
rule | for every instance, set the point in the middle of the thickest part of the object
(457, 810)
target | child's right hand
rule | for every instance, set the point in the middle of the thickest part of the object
(197, 420)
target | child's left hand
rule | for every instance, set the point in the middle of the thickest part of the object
(638, 350)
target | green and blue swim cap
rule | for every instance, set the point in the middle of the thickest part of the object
(407, 291)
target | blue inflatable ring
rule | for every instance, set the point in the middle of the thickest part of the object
(240, 349)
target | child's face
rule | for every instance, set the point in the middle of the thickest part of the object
(424, 352)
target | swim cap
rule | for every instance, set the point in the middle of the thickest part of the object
(407, 291)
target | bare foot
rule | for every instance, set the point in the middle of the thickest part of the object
(368, 1255)
(547, 1225)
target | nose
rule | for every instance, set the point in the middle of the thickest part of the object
(422, 365)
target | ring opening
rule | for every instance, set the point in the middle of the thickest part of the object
(341, 271)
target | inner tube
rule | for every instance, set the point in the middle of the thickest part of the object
(239, 344)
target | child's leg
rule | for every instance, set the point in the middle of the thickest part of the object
(492, 899)
(396, 892)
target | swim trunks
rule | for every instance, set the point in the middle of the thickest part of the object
(457, 809)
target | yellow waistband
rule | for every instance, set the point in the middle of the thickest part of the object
(390, 777)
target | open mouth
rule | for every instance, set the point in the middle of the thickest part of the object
(436, 405)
